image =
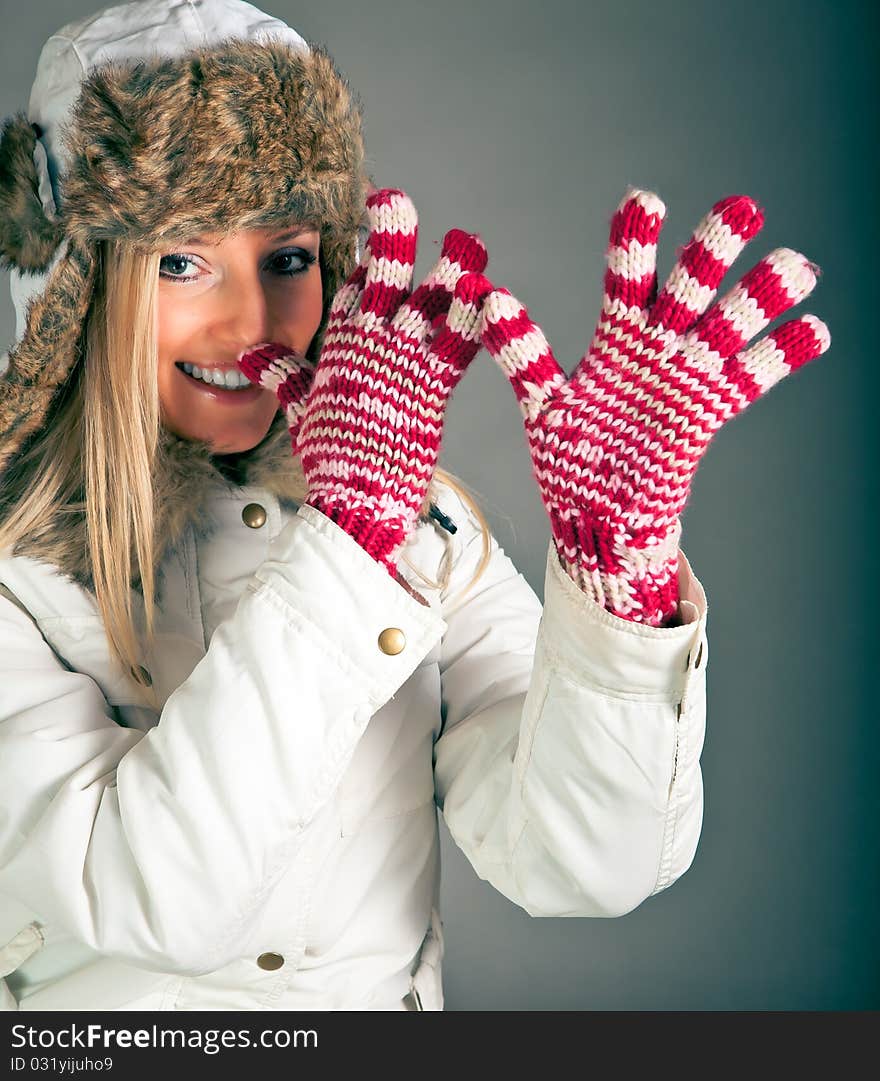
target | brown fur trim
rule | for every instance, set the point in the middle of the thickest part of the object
(41, 362)
(28, 239)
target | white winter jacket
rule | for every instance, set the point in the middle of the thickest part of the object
(264, 834)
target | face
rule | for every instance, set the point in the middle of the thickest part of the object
(217, 298)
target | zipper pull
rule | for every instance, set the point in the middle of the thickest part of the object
(442, 518)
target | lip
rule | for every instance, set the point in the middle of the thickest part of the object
(219, 394)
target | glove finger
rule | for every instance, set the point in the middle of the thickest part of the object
(458, 341)
(391, 251)
(631, 256)
(704, 260)
(519, 347)
(771, 287)
(348, 298)
(784, 349)
(461, 253)
(274, 367)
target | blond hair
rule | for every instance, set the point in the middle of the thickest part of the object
(97, 456)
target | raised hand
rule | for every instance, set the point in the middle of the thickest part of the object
(615, 447)
(370, 425)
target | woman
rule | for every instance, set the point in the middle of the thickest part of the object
(251, 636)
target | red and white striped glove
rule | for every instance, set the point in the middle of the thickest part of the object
(615, 447)
(273, 366)
(370, 427)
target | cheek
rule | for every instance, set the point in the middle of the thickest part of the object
(177, 319)
(171, 328)
(301, 312)
(171, 334)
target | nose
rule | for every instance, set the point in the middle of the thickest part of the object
(245, 317)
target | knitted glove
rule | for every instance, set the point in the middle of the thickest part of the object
(274, 367)
(369, 429)
(615, 447)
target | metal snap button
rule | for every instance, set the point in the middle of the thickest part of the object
(392, 641)
(254, 516)
(270, 961)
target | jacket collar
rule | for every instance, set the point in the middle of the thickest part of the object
(185, 477)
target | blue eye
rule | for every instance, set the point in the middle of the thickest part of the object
(173, 266)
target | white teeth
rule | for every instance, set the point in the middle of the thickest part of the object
(232, 379)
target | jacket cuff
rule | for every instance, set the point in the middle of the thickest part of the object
(361, 617)
(616, 654)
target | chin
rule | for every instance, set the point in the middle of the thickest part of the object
(238, 445)
(229, 422)
(223, 439)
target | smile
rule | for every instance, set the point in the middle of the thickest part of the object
(221, 384)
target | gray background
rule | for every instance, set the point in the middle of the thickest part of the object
(526, 122)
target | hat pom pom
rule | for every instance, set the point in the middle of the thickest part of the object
(28, 238)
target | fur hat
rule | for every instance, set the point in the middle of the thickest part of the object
(149, 123)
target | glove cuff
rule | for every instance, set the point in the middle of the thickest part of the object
(639, 584)
(380, 538)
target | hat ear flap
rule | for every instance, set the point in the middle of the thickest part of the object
(28, 238)
(41, 363)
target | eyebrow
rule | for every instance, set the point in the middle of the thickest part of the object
(291, 234)
(294, 233)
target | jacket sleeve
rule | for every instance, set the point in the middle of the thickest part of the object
(159, 848)
(568, 768)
